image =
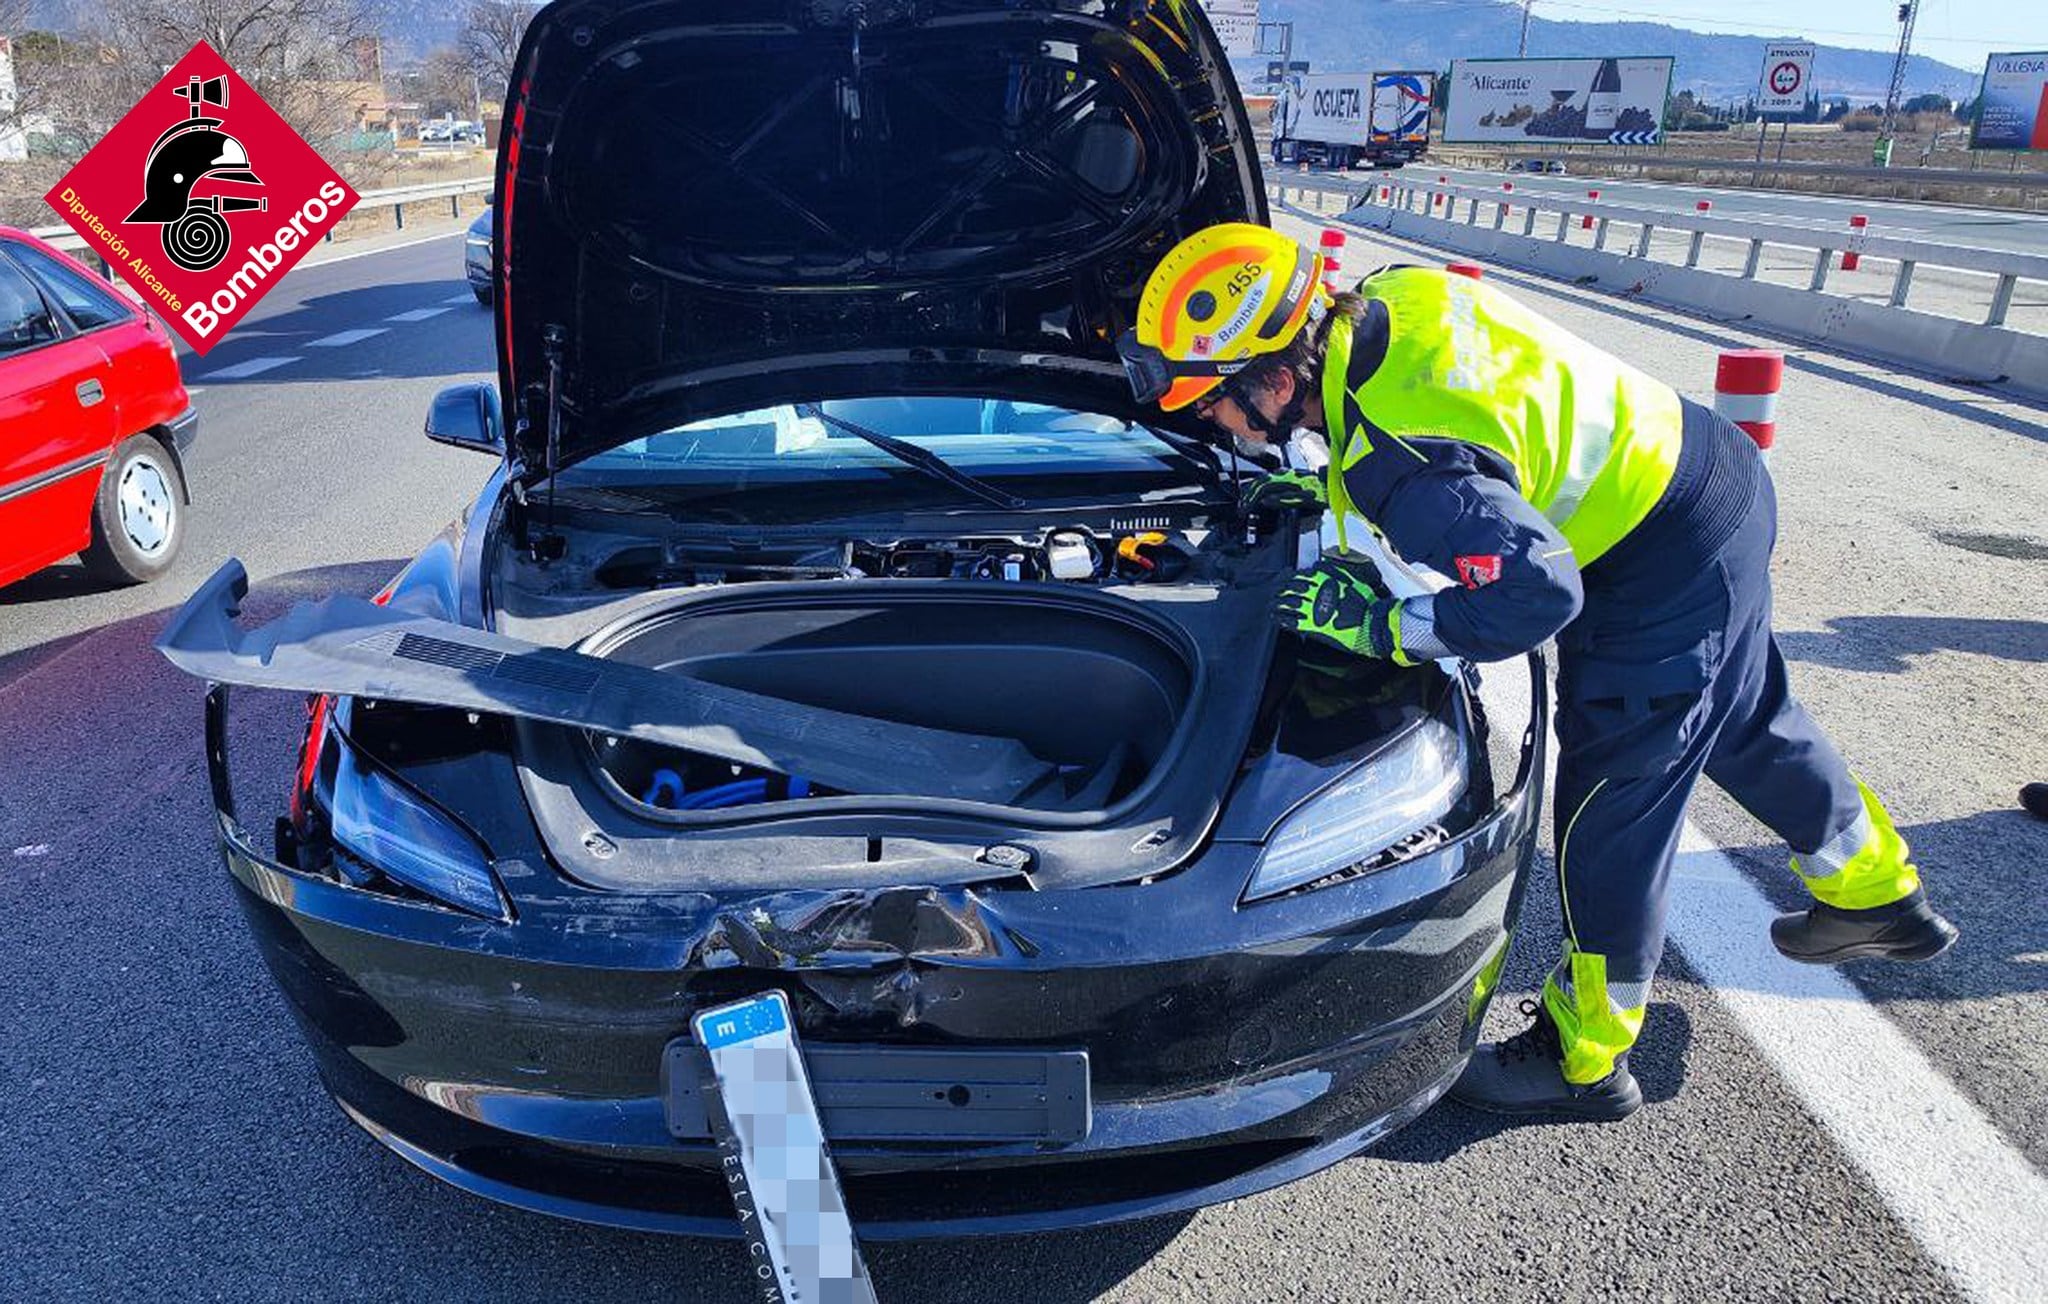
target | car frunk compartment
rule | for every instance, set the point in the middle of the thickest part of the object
(1090, 685)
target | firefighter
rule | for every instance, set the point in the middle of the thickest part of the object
(1565, 494)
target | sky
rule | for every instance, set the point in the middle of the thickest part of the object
(1960, 32)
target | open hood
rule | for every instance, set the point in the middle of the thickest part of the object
(710, 205)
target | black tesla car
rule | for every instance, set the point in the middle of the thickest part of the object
(835, 625)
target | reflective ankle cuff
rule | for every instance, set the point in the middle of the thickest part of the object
(1862, 866)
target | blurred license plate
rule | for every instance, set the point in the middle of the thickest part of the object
(772, 1149)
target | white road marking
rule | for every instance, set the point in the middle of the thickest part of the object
(310, 260)
(33, 849)
(243, 370)
(416, 314)
(340, 338)
(465, 297)
(1972, 1201)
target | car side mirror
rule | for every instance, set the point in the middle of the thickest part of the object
(467, 416)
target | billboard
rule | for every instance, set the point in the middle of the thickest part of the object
(1613, 101)
(2012, 106)
(1786, 78)
(1236, 23)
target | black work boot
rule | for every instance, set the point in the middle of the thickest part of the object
(1908, 929)
(2035, 798)
(1525, 1075)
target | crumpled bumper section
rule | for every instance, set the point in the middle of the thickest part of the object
(1231, 1048)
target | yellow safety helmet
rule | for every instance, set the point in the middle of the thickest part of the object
(1219, 299)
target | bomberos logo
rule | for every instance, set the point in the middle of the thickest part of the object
(186, 175)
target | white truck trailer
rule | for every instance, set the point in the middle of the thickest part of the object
(1341, 119)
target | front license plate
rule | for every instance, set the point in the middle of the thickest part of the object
(772, 1148)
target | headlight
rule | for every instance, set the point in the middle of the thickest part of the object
(1398, 793)
(390, 828)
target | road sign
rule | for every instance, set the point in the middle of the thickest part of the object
(1786, 79)
(2012, 106)
(1236, 23)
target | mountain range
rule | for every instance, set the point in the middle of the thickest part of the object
(1362, 35)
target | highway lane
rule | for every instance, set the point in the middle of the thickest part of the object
(162, 1133)
(1988, 227)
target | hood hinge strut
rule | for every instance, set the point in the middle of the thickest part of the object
(549, 545)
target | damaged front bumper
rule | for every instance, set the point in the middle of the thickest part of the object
(1230, 1047)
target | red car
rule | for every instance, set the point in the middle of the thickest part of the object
(94, 421)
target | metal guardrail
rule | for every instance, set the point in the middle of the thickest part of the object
(1919, 178)
(393, 197)
(2007, 267)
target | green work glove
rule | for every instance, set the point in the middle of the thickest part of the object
(1285, 490)
(1340, 605)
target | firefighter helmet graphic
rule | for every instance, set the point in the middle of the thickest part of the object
(195, 235)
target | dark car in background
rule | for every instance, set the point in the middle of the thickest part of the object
(94, 422)
(476, 257)
(835, 625)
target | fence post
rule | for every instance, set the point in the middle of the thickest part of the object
(1692, 255)
(1903, 283)
(2001, 299)
(1586, 222)
(1564, 221)
(1756, 254)
(1820, 270)
(1643, 245)
(1529, 220)
(398, 214)
(1600, 234)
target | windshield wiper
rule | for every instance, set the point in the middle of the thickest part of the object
(922, 459)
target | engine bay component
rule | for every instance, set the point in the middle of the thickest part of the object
(1070, 556)
(1150, 557)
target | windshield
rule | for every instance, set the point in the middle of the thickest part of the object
(1033, 450)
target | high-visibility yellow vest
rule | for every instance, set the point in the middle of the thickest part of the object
(1592, 440)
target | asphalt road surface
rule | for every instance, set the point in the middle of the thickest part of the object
(1995, 228)
(163, 1135)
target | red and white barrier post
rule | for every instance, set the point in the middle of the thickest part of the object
(1586, 220)
(1473, 270)
(1746, 384)
(1331, 246)
(1439, 199)
(1692, 255)
(1853, 255)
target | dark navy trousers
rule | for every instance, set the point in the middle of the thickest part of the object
(1671, 671)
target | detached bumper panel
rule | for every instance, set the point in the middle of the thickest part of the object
(880, 1093)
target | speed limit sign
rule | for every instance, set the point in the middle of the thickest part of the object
(1787, 77)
